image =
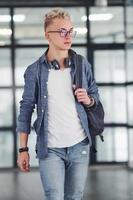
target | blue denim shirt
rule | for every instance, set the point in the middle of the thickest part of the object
(36, 93)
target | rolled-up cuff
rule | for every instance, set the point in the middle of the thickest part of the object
(23, 127)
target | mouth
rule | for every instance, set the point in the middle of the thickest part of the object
(67, 43)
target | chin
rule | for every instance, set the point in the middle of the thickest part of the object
(65, 48)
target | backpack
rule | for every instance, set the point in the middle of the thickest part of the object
(95, 114)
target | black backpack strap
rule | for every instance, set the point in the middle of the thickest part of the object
(78, 83)
(78, 75)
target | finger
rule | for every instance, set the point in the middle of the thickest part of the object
(27, 164)
(27, 167)
(81, 99)
(22, 165)
(81, 95)
(80, 90)
(24, 168)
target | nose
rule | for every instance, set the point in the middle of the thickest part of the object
(67, 34)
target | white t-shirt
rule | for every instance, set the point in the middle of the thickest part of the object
(64, 126)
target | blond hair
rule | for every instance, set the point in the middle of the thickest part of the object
(55, 13)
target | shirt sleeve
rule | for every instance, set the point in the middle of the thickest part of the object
(27, 104)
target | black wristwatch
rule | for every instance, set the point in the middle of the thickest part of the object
(23, 149)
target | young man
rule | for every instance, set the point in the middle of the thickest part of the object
(63, 138)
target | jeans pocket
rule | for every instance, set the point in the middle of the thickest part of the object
(85, 141)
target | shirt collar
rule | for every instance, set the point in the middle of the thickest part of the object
(43, 58)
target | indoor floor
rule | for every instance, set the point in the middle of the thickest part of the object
(103, 183)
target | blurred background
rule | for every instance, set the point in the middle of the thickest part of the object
(104, 36)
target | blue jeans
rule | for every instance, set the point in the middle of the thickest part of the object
(64, 171)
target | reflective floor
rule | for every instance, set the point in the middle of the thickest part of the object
(103, 183)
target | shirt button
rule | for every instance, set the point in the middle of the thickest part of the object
(47, 82)
(42, 110)
(45, 96)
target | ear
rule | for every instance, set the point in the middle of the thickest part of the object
(47, 36)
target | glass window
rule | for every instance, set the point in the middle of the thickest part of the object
(106, 24)
(6, 103)
(32, 146)
(19, 93)
(129, 23)
(29, 24)
(6, 149)
(114, 102)
(130, 148)
(114, 147)
(5, 68)
(80, 50)
(25, 57)
(5, 31)
(130, 104)
(111, 63)
(129, 63)
(77, 15)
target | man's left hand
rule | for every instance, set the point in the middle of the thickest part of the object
(82, 96)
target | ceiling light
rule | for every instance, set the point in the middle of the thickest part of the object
(5, 18)
(81, 31)
(98, 17)
(5, 31)
(16, 18)
(84, 18)
(101, 2)
(2, 43)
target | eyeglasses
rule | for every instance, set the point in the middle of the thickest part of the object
(63, 32)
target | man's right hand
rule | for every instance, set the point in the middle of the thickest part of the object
(23, 161)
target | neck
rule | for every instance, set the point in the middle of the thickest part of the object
(58, 55)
